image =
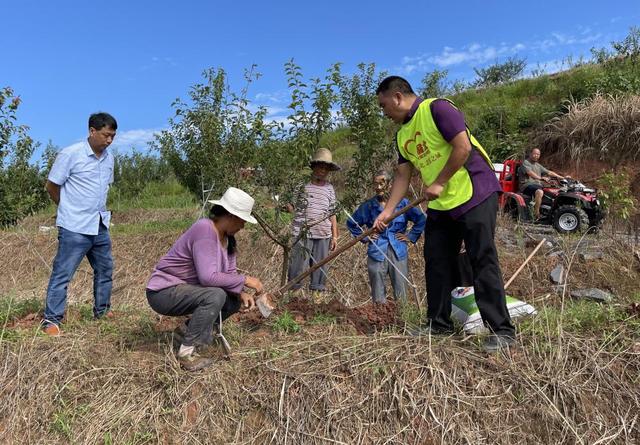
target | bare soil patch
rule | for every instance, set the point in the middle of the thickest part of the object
(366, 319)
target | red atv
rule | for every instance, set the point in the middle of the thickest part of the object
(569, 206)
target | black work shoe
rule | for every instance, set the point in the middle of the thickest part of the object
(495, 343)
(194, 362)
(423, 331)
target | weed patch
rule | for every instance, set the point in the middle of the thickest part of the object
(285, 323)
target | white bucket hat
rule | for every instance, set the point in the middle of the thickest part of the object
(238, 203)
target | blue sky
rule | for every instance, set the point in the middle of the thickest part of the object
(67, 59)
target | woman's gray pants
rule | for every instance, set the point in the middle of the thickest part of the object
(204, 304)
(305, 253)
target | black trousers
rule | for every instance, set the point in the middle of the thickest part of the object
(204, 304)
(443, 238)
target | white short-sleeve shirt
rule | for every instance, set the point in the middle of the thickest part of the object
(84, 181)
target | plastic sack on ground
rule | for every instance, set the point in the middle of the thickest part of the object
(465, 310)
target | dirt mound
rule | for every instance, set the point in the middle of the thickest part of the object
(366, 319)
(251, 320)
(374, 317)
(301, 306)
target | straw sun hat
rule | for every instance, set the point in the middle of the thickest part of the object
(324, 155)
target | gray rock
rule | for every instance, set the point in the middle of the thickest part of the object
(590, 255)
(552, 240)
(559, 289)
(557, 274)
(507, 239)
(557, 253)
(592, 294)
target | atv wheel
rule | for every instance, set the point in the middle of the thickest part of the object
(570, 219)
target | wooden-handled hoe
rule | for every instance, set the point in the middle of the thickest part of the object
(264, 301)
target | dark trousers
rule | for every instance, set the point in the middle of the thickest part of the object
(463, 273)
(204, 304)
(443, 238)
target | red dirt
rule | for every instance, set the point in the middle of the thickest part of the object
(374, 317)
(28, 321)
(251, 319)
(366, 319)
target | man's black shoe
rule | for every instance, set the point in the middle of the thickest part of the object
(423, 331)
(495, 343)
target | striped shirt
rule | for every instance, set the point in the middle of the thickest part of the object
(314, 207)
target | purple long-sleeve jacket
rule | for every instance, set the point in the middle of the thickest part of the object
(198, 258)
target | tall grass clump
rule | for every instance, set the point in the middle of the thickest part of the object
(604, 127)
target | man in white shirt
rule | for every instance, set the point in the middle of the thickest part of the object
(79, 183)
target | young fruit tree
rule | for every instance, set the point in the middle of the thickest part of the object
(21, 182)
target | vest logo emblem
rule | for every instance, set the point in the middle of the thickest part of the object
(421, 148)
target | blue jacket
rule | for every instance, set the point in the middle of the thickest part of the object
(366, 214)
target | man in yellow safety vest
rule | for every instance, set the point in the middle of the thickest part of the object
(462, 190)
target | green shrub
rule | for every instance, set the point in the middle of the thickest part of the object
(133, 172)
(615, 195)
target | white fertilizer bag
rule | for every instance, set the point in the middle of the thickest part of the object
(465, 310)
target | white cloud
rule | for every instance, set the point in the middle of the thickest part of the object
(125, 141)
(137, 139)
(474, 53)
(280, 115)
(271, 109)
(277, 97)
(561, 39)
(477, 53)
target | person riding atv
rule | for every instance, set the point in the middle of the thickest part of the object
(567, 205)
(531, 174)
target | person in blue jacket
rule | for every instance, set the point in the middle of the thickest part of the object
(387, 252)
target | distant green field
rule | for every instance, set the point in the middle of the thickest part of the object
(156, 195)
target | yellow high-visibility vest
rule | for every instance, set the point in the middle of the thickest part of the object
(421, 143)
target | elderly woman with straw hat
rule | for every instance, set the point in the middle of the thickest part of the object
(315, 224)
(198, 276)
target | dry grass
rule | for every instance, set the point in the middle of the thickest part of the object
(314, 389)
(574, 378)
(602, 127)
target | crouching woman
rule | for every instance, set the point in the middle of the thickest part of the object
(198, 276)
